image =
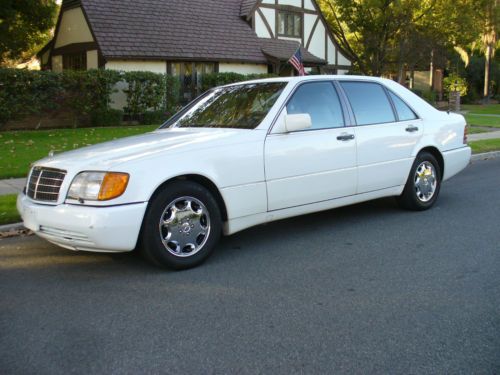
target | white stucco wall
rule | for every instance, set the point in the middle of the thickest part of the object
(260, 27)
(137, 65)
(342, 60)
(243, 68)
(92, 59)
(331, 51)
(297, 3)
(317, 46)
(73, 29)
(309, 5)
(57, 64)
(270, 16)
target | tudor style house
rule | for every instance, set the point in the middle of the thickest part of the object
(191, 38)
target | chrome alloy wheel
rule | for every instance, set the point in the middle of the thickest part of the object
(425, 181)
(184, 226)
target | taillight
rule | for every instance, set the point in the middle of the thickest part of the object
(466, 133)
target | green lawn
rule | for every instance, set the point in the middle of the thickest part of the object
(491, 109)
(8, 211)
(475, 120)
(485, 145)
(20, 148)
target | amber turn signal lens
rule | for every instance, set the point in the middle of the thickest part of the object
(113, 185)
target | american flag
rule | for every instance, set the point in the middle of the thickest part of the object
(296, 61)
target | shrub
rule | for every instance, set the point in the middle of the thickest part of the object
(455, 83)
(25, 92)
(106, 117)
(146, 91)
(154, 117)
(219, 79)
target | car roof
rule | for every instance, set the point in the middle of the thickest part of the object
(312, 78)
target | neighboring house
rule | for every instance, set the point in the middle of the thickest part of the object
(189, 38)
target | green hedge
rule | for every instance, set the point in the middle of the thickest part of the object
(219, 79)
(26, 92)
(151, 97)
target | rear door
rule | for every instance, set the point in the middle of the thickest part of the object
(386, 134)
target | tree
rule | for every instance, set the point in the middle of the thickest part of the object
(25, 26)
(489, 40)
(382, 36)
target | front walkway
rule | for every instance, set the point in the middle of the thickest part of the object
(12, 186)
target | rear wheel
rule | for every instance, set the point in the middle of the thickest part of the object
(182, 226)
(424, 182)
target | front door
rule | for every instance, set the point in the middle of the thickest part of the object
(313, 165)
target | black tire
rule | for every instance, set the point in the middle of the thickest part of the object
(412, 198)
(160, 252)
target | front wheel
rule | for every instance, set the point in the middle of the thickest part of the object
(182, 226)
(424, 182)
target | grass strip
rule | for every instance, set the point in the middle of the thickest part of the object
(8, 210)
(485, 145)
(18, 149)
(491, 109)
(475, 120)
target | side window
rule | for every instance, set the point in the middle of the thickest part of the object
(369, 102)
(321, 102)
(405, 113)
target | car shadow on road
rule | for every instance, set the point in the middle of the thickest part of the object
(266, 240)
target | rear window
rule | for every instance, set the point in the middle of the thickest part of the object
(405, 113)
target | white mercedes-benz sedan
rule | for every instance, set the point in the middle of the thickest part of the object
(242, 155)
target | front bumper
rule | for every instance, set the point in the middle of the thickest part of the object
(101, 229)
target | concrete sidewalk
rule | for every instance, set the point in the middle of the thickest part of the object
(12, 186)
(482, 136)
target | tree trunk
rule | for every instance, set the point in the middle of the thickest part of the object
(487, 65)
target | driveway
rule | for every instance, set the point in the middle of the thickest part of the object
(362, 289)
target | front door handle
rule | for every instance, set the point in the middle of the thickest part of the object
(412, 128)
(345, 137)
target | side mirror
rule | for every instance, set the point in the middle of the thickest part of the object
(301, 121)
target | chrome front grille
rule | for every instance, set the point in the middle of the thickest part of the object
(44, 184)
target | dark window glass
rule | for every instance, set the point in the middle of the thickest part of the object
(321, 102)
(405, 113)
(290, 24)
(75, 61)
(242, 106)
(369, 102)
(190, 76)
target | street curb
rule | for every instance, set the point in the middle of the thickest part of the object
(485, 156)
(11, 227)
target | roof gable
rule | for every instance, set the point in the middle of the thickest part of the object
(247, 6)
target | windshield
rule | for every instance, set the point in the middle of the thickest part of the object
(241, 106)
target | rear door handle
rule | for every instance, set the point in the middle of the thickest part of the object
(345, 137)
(412, 128)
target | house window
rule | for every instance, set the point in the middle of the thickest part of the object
(75, 61)
(191, 76)
(289, 24)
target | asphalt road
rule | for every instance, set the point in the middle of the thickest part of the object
(365, 289)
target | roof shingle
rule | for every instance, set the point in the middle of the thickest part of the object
(210, 30)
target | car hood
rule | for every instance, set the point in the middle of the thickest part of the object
(104, 156)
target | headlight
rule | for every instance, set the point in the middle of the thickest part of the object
(98, 186)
